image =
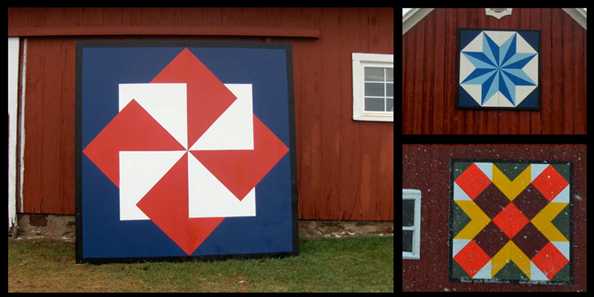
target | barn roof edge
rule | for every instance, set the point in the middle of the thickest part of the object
(415, 15)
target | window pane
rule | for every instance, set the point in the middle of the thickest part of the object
(389, 90)
(374, 104)
(408, 212)
(374, 73)
(407, 237)
(389, 74)
(374, 89)
(389, 104)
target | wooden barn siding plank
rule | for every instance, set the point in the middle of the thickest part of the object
(463, 120)
(49, 153)
(408, 75)
(562, 81)
(536, 117)
(438, 82)
(419, 64)
(568, 65)
(328, 100)
(580, 70)
(546, 103)
(344, 168)
(310, 137)
(557, 71)
(428, 70)
(450, 76)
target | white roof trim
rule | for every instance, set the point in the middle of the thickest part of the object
(413, 16)
(578, 15)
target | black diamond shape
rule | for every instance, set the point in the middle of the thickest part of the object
(491, 201)
(530, 240)
(491, 239)
(530, 201)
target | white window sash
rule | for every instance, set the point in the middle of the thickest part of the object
(415, 195)
(360, 61)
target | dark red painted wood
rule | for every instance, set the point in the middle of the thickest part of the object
(344, 168)
(429, 107)
(48, 184)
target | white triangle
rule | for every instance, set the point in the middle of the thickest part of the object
(139, 172)
(459, 194)
(563, 247)
(466, 67)
(536, 274)
(523, 47)
(474, 91)
(563, 196)
(484, 273)
(458, 245)
(531, 70)
(476, 45)
(486, 168)
(536, 170)
(522, 92)
(234, 129)
(165, 102)
(209, 198)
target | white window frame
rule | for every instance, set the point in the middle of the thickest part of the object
(361, 60)
(412, 194)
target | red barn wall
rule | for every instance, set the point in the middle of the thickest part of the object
(430, 76)
(426, 167)
(344, 168)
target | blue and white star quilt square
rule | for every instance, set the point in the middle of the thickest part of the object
(499, 69)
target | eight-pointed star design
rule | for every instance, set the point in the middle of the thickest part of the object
(499, 68)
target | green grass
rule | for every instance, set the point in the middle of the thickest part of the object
(345, 265)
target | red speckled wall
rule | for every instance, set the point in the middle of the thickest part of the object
(426, 167)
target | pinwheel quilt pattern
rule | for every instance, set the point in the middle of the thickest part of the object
(185, 151)
(510, 222)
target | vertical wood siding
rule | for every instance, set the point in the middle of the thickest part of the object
(344, 168)
(430, 75)
(48, 184)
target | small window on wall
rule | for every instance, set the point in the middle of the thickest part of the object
(411, 224)
(373, 87)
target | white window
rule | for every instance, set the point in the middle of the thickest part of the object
(373, 87)
(411, 224)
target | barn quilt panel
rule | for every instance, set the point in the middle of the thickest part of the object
(499, 69)
(185, 151)
(510, 222)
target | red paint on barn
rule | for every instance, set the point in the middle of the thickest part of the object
(344, 168)
(430, 77)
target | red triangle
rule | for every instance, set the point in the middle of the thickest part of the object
(208, 97)
(241, 170)
(166, 204)
(132, 129)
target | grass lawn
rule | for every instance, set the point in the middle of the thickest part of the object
(353, 264)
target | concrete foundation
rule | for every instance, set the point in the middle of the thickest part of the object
(59, 227)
